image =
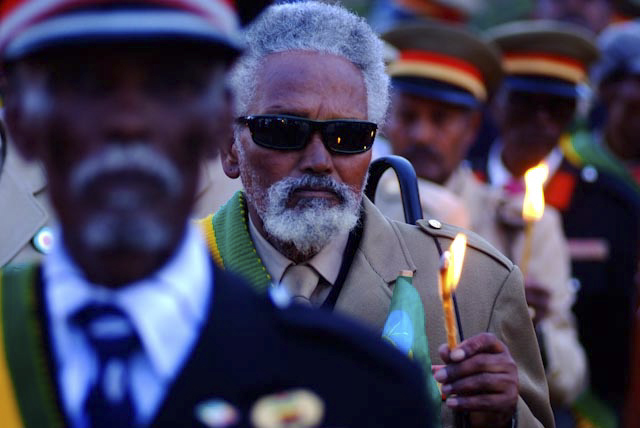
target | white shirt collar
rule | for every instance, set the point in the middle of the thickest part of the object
(327, 262)
(498, 174)
(166, 309)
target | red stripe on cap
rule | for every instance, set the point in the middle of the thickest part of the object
(7, 6)
(550, 57)
(203, 8)
(559, 190)
(432, 57)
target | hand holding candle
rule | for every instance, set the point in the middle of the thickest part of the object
(532, 208)
(450, 270)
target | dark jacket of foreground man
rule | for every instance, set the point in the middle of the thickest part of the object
(248, 349)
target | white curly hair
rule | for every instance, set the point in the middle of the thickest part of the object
(315, 27)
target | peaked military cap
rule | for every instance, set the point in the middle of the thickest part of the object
(444, 63)
(27, 26)
(447, 10)
(544, 56)
(620, 52)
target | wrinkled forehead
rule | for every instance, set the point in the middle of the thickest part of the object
(184, 53)
(169, 64)
(309, 83)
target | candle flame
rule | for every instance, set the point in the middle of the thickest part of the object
(533, 205)
(457, 250)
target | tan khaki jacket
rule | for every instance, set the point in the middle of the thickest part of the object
(25, 209)
(466, 202)
(490, 296)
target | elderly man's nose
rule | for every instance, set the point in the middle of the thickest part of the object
(422, 132)
(128, 112)
(315, 157)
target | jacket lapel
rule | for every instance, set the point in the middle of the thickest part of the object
(19, 184)
(368, 288)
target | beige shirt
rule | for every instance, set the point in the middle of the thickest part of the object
(326, 263)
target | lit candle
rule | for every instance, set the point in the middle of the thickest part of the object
(450, 270)
(532, 208)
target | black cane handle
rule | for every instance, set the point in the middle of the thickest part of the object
(408, 184)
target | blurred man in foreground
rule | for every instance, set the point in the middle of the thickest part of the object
(128, 322)
(433, 119)
(310, 93)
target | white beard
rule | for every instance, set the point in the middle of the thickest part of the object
(310, 226)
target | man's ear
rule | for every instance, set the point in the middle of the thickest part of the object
(229, 158)
(222, 127)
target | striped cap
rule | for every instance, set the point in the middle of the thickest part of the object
(30, 25)
(545, 56)
(443, 62)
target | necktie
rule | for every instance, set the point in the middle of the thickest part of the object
(300, 280)
(114, 340)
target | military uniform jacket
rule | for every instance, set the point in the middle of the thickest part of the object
(25, 209)
(600, 220)
(497, 217)
(490, 297)
(247, 350)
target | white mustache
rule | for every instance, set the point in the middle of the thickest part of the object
(290, 185)
(136, 157)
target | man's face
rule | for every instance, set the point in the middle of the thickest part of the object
(591, 14)
(531, 124)
(433, 135)
(121, 131)
(302, 198)
(623, 118)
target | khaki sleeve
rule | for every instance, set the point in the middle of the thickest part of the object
(510, 322)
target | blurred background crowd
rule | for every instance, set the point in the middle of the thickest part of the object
(598, 136)
(482, 91)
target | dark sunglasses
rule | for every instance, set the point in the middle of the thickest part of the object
(282, 132)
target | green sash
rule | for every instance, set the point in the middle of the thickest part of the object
(27, 391)
(599, 155)
(228, 238)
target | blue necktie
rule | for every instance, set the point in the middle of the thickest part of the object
(114, 340)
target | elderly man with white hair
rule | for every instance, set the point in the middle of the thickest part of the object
(311, 91)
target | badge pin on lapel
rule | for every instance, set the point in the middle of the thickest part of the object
(43, 240)
(217, 414)
(296, 408)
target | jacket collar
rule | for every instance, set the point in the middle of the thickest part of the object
(18, 185)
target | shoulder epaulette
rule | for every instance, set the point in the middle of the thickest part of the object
(559, 191)
(480, 175)
(438, 229)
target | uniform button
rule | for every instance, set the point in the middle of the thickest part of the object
(435, 223)
(589, 174)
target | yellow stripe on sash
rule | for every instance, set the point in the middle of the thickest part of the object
(9, 413)
(206, 224)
